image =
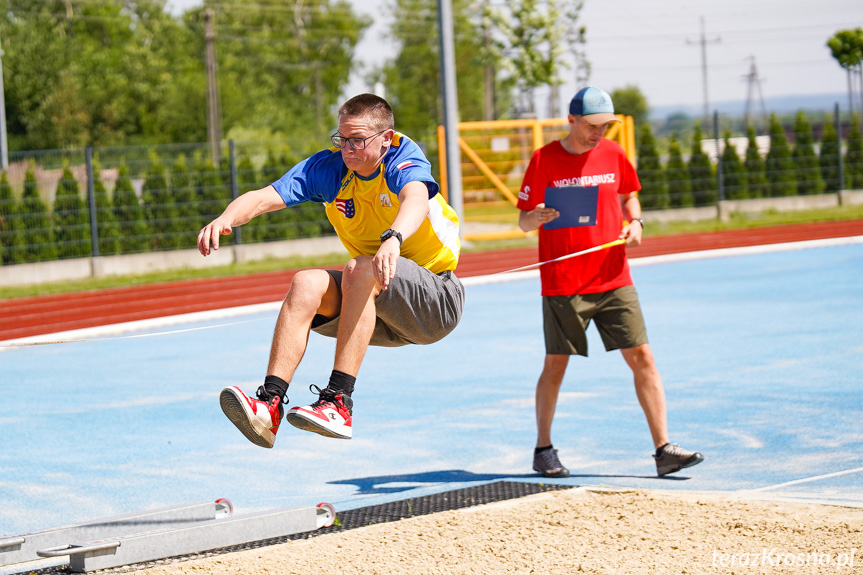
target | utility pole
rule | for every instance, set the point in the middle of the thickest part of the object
(450, 107)
(319, 99)
(488, 101)
(4, 150)
(703, 42)
(753, 83)
(214, 108)
(860, 78)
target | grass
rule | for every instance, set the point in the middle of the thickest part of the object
(503, 214)
(266, 265)
(768, 218)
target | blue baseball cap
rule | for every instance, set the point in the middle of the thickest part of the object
(594, 104)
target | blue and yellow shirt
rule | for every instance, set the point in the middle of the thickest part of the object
(361, 209)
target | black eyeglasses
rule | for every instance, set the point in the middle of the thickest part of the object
(355, 143)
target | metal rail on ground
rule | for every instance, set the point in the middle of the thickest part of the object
(349, 519)
(22, 548)
(170, 532)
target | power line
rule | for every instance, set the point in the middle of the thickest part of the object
(703, 42)
(753, 83)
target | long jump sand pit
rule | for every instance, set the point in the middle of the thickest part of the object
(581, 530)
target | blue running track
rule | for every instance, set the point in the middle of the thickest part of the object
(761, 356)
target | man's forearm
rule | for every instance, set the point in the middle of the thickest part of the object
(413, 209)
(632, 207)
(252, 204)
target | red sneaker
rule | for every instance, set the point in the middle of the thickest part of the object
(331, 415)
(257, 419)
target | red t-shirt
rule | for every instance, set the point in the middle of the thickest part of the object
(607, 167)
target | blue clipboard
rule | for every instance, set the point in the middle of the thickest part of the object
(576, 204)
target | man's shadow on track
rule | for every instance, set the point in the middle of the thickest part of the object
(381, 484)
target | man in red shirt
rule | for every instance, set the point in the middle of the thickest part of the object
(596, 286)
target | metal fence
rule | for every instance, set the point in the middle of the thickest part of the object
(813, 161)
(60, 204)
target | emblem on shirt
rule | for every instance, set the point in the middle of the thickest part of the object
(405, 164)
(346, 207)
(524, 194)
(385, 200)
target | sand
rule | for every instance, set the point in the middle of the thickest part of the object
(580, 530)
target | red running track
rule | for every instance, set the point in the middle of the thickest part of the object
(28, 316)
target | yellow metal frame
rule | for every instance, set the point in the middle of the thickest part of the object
(622, 132)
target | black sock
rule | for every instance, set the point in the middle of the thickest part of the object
(538, 449)
(342, 382)
(660, 449)
(275, 385)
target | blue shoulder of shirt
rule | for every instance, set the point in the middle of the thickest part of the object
(405, 162)
(318, 178)
(315, 179)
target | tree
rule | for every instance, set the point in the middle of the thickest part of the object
(533, 33)
(677, 122)
(32, 73)
(38, 232)
(247, 179)
(779, 166)
(630, 101)
(754, 167)
(854, 156)
(282, 65)
(100, 73)
(808, 171)
(71, 218)
(701, 174)
(828, 157)
(418, 112)
(11, 236)
(654, 187)
(679, 184)
(160, 208)
(124, 71)
(211, 193)
(576, 38)
(129, 215)
(846, 46)
(106, 224)
(185, 198)
(733, 172)
(281, 224)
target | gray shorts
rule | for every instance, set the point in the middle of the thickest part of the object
(617, 314)
(418, 307)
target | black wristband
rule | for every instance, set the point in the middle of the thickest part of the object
(390, 233)
(640, 221)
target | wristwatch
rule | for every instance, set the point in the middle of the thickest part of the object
(640, 221)
(390, 233)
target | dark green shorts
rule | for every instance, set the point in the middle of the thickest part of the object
(617, 315)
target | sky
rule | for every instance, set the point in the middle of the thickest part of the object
(656, 46)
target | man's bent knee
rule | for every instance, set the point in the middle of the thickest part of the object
(314, 291)
(359, 272)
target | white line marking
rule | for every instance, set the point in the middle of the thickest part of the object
(808, 479)
(686, 256)
(118, 328)
(112, 331)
